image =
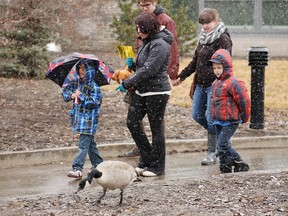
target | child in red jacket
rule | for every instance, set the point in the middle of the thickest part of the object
(230, 107)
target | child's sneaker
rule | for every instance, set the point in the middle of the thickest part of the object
(75, 174)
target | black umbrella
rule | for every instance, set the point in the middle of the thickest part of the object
(61, 67)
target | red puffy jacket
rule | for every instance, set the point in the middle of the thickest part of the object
(230, 98)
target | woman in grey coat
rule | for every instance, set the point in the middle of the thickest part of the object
(152, 90)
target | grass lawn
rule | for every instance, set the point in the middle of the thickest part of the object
(276, 84)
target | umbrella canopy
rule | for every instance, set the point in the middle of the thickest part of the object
(63, 69)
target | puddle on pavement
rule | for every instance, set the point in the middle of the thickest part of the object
(52, 179)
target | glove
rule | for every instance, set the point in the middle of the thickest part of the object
(130, 62)
(121, 88)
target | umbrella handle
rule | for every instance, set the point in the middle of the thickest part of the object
(76, 98)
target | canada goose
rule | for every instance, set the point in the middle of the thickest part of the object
(110, 175)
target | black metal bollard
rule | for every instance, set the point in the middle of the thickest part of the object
(258, 59)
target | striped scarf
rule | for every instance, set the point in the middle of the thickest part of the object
(208, 38)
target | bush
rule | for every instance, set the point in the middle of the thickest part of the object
(124, 26)
(24, 34)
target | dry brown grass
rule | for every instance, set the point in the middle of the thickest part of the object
(276, 80)
(276, 84)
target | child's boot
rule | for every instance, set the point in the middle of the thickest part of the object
(211, 152)
(240, 165)
(226, 168)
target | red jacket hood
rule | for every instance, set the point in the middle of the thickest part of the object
(223, 56)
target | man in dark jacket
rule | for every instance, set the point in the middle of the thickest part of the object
(165, 20)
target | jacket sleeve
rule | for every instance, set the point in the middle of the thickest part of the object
(151, 66)
(66, 93)
(242, 99)
(69, 89)
(191, 67)
(173, 67)
(226, 43)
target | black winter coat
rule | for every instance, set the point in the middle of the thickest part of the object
(203, 53)
(151, 64)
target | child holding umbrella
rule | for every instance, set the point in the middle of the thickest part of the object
(84, 115)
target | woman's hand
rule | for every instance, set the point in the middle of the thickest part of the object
(121, 88)
(130, 63)
(176, 81)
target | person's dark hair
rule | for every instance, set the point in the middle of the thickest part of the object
(148, 23)
(139, 1)
(208, 15)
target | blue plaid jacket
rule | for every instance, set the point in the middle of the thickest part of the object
(84, 115)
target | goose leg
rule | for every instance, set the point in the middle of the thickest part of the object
(121, 197)
(104, 193)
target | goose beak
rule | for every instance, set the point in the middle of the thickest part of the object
(79, 189)
(137, 180)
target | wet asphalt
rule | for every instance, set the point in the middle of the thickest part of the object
(52, 179)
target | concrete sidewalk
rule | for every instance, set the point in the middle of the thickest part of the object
(63, 155)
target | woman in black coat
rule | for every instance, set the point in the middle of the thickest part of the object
(152, 91)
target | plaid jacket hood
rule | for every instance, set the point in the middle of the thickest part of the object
(230, 98)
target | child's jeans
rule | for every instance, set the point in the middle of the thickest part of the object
(86, 145)
(226, 152)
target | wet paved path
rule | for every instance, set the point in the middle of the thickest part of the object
(51, 179)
